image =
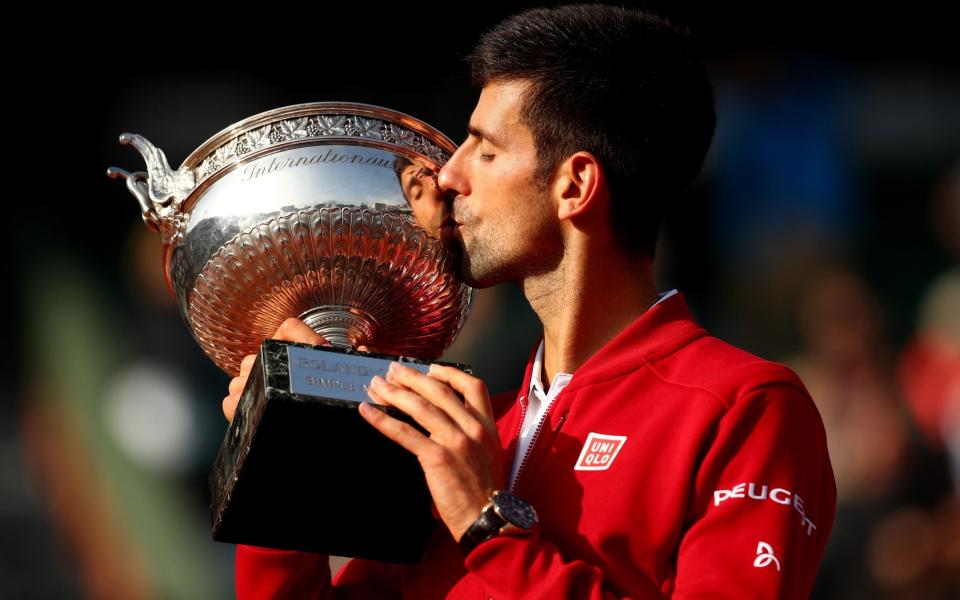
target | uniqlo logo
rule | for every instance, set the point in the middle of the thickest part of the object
(599, 451)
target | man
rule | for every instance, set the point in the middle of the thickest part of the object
(419, 186)
(660, 461)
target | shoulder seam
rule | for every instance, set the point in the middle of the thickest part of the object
(708, 391)
(698, 333)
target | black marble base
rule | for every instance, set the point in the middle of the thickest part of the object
(302, 471)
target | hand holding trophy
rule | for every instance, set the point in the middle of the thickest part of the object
(328, 213)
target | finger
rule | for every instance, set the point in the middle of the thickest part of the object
(246, 365)
(295, 330)
(375, 397)
(429, 416)
(236, 385)
(433, 390)
(230, 406)
(398, 431)
(473, 389)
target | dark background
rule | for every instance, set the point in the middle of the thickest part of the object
(837, 126)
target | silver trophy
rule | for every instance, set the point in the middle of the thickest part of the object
(329, 212)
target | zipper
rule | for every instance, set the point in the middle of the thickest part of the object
(512, 448)
(533, 440)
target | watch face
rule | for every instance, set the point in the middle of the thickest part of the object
(515, 510)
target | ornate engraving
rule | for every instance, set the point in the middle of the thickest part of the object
(319, 126)
(368, 128)
(332, 124)
(258, 138)
(387, 133)
(351, 258)
(292, 129)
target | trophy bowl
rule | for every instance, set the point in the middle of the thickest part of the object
(329, 212)
(324, 211)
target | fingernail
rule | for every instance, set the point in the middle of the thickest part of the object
(377, 382)
(396, 367)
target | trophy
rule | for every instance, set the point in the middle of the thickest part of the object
(329, 212)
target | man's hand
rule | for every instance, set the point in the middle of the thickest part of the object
(461, 458)
(291, 330)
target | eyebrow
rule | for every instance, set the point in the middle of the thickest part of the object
(493, 138)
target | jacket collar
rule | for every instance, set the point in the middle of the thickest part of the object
(658, 332)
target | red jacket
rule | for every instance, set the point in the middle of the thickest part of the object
(673, 464)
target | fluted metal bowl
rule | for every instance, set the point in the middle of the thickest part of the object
(324, 211)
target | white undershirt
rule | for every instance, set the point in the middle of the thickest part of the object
(538, 403)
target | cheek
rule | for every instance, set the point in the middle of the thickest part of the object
(535, 216)
(519, 184)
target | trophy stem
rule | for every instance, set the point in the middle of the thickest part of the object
(342, 326)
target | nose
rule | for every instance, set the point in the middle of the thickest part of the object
(452, 178)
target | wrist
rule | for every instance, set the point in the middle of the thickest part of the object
(503, 512)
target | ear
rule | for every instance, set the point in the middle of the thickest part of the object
(579, 185)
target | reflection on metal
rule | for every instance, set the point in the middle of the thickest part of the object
(328, 211)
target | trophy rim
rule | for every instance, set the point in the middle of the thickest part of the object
(196, 158)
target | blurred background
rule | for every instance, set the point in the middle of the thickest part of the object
(823, 233)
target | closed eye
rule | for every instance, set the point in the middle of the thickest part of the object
(487, 157)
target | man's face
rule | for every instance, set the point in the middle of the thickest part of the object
(506, 222)
(425, 199)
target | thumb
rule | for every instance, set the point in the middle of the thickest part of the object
(295, 330)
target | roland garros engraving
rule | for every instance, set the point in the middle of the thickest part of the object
(315, 373)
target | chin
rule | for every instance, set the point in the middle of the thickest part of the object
(470, 280)
(467, 274)
(478, 277)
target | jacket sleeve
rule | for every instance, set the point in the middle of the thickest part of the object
(268, 574)
(761, 510)
(764, 501)
(531, 567)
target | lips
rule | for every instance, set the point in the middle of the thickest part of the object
(450, 235)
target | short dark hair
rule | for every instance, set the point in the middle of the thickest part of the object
(623, 84)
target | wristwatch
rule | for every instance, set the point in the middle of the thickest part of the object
(504, 511)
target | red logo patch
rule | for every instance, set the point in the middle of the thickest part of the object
(599, 451)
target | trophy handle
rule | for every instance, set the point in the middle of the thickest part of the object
(137, 185)
(160, 191)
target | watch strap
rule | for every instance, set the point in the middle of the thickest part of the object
(487, 525)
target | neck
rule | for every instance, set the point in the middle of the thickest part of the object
(587, 300)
